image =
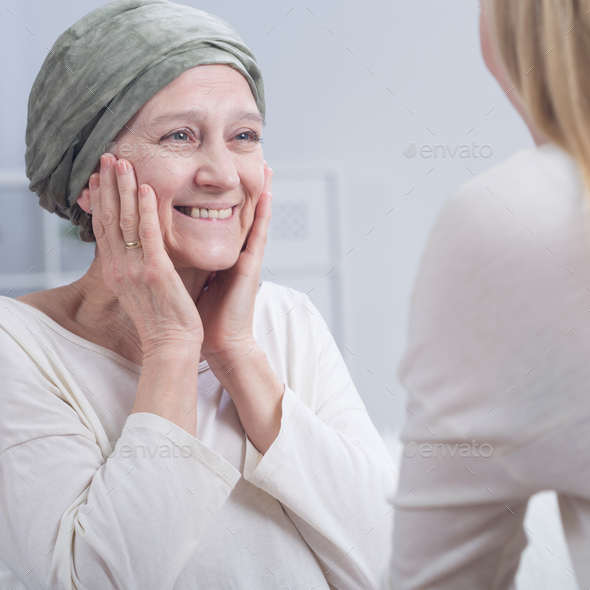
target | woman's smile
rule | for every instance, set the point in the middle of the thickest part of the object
(206, 214)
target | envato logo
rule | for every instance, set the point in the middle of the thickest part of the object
(143, 150)
(146, 451)
(440, 450)
(464, 150)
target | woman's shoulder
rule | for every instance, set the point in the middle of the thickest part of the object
(33, 331)
(285, 306)
(52, 303)
(515, 234)
(287, 316)
(41, 309)
(275, 297)
(536, 193)
(541, 182)
(21, 331)
(547, 161)
(31, 395)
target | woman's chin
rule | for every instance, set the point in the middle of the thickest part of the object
(209, 263)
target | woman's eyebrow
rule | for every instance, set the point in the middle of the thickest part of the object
(251, 116)
(195, 115)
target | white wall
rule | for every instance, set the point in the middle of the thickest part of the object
(349, 85)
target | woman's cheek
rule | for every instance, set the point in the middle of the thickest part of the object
(248, 214)
(257, 191)
(255, 171)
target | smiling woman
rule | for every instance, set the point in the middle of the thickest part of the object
(169, 421)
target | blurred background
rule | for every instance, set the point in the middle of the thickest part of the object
(359, 95)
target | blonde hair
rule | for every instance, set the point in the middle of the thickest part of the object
(545, 48)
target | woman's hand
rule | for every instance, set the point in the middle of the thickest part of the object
(144, 279)
(226, 306)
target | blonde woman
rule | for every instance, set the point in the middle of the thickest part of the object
(497, 364)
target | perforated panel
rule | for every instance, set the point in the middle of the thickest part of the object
(302, 248)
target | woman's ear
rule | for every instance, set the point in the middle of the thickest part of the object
(84, 197)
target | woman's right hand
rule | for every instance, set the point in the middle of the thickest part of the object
(144, 279)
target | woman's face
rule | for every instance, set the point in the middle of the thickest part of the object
(197, 144)
(489, 50)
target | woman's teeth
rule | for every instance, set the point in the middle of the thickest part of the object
(197, 213)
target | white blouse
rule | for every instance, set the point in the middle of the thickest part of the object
(94, 497)
(497, 368)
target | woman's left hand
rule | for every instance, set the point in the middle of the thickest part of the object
(226, 306)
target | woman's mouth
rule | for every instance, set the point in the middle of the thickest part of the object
(206, 213)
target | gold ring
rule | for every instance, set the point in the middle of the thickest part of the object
(132, 245)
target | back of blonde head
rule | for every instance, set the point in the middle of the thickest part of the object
(545, 47)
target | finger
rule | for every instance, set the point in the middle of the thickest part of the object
(127, 187)
(268, 174)
(110, 204)
(259, 232)
(149, 224)
(97, 226)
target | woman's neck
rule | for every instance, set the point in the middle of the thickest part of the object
(95, 310)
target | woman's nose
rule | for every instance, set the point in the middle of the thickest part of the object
(217, 168)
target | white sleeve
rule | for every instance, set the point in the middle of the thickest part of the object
(70, 519)
(332, 473)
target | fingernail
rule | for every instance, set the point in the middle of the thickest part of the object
(105, 162)
(121, 167)
(94, 183)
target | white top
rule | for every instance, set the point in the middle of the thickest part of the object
(497, 368)
(93, 497)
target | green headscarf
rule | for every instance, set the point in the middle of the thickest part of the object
(99, 73)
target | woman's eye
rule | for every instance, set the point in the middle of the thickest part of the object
(179, 133)
(247, 136)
